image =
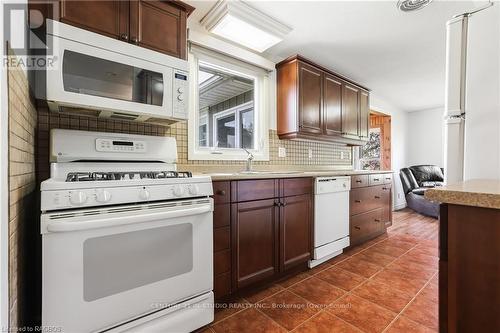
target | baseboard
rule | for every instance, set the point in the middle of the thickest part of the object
(400, 206)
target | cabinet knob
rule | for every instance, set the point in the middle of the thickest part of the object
(135, 40)
(377, 197)
(124, 36)
(220, 192)
(377, 220)
(357, 201)
(357, 228)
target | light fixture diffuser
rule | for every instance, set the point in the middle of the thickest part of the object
(240, 23)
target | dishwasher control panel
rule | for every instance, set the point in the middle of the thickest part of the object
(332, 184)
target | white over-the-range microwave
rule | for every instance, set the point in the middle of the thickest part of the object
(91, 74)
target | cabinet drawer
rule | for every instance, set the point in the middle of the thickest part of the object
(295, 186)
(222, 262)
(359, 181)
(221, 239)
(363, 226)
(222, 192)
(376, 179)
(222, 285)
(222, 215)
(387, 178)
(249, 190)
(365, 199)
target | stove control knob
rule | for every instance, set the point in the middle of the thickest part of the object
(178, 190)
(194, 189)
(77, 198)
(102, 196)
(144, 194)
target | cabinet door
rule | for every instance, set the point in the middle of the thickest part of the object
(110, 18)
(159, 26)
(350, 110)
(310, 99)
(295, 231)
(387, 200)
(254, 241)
(332, 105)
(364, 115)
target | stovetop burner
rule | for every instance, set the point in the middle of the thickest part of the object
(102, 176)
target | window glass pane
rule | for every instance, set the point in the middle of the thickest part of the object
(226, 106)
(370, 153)
(226, 132)
(246, 128)
(84, 74)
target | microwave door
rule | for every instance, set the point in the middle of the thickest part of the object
(94, 78)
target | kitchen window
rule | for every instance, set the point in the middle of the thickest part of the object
(228, 108)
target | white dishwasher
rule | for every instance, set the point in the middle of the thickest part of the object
(331, 217)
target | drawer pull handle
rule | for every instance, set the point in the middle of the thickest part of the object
(359, 181)
(384, 188)
(377, 220)
(357, 201)
(124, 36)
(376, 179)
(357, 228)
(220, 192)
(377, 197)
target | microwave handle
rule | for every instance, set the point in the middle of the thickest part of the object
(67, 226)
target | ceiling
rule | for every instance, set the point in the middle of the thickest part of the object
(399, 56)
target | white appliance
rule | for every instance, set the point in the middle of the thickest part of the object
(472, 110)
(105, 77)
(126, 239)
(331, 217)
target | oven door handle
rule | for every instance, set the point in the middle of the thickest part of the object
(66, 226)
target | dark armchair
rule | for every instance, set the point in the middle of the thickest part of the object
(416, 180)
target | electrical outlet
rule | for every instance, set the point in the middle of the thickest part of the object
(281, 152)
(310, 153)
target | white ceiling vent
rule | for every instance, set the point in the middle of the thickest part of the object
(411, 5)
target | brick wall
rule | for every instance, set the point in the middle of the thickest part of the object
(22, 185)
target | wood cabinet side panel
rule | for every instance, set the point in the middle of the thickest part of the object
(287, 99)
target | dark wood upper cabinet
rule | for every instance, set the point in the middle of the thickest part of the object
(110, 18)
(310, 99)
(154, 24)
(160, 26)
(315, 103)
(350, 108)
(295, 226)
(332, 107)
(254, 241)
(364, 114)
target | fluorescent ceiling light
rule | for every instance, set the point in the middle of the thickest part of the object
(245, 25)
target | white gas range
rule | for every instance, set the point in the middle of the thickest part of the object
(127, 240)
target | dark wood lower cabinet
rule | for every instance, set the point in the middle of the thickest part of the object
(295, 225)
(254, 236)
(270, 228)
(370, 208)
(469, 269)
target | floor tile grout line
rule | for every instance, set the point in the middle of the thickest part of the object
(274, 321)
(407, 305)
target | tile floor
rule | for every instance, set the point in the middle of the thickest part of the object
(386, 285)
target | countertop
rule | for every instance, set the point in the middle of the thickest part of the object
(477, 192)
(266, 174)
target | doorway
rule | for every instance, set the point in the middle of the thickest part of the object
(376, 153)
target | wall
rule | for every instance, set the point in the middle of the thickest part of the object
(22, 215)
(399, 137)
(425, 137)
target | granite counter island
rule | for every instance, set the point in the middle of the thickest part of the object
(469, 256)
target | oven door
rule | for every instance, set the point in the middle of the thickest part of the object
(107, 266)
(89, 77)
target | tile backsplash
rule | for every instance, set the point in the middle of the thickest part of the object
(324, 155)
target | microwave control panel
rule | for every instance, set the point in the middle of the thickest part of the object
(180, 94)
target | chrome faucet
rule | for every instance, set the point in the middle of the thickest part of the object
(250, 158)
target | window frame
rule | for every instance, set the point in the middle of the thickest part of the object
(237, 110)
(228, 64)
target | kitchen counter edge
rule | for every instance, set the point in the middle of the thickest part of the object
(219, 176)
